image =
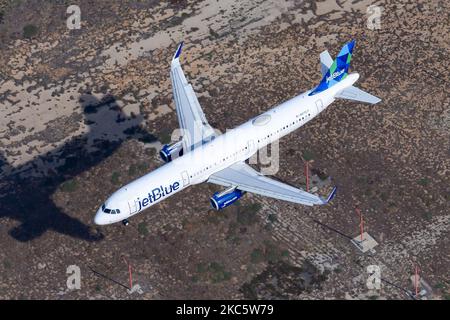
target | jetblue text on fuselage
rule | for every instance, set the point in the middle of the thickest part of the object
(157, 193)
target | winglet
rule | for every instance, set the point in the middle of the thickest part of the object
(330, 196)
(178, 52)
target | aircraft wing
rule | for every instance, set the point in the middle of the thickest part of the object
(245, 178)
(195, 128)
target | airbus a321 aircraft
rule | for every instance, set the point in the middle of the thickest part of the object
(203, 155)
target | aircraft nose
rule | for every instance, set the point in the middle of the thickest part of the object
(100, 218)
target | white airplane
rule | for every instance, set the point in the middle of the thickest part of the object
(203, 155)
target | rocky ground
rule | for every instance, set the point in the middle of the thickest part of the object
(85, 111)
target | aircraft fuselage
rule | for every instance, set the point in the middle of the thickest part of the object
(224, 150)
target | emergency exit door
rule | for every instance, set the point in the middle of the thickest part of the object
(319, 105)
(185, 178)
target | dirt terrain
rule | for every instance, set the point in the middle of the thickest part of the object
(85, 111)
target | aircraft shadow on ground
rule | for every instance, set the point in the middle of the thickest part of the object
(26, 197)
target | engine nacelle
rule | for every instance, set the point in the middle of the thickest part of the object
(171, 151)
(220, 200)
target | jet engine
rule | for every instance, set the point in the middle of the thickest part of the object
(171, 151)
(220, 200)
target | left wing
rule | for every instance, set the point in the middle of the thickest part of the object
(191, 118)
(245, 178)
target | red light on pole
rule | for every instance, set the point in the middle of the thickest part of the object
(129, 272)
(361, 222)
(416, 280)
(307, 175)
(131, 277)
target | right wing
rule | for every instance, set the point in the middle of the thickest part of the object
(245, 178)
(192, 121)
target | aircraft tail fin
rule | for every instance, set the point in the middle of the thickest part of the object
(338, 70)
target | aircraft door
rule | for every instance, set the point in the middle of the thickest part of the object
(319, 105)
(250, 146)
(134, 206)
(185, 178)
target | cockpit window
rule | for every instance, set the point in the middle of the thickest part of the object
(109, 211)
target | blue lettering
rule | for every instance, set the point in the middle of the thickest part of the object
(155, 195)
(168, 191)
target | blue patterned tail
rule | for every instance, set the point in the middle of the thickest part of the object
(338, 70)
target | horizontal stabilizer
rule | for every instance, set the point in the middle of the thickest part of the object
(353, 93)
(325, 62)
